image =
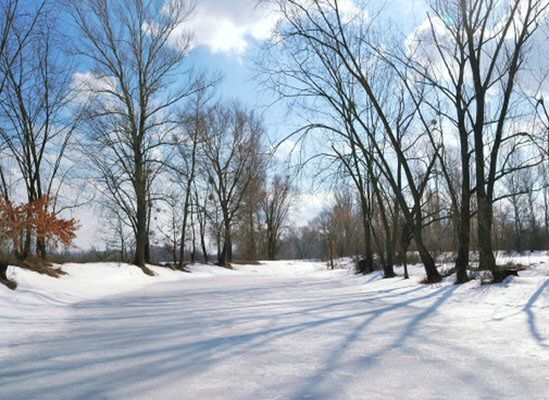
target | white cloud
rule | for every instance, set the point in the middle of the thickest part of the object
(229, 26)
(309, 205)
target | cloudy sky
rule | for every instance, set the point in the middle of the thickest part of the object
(227, 34)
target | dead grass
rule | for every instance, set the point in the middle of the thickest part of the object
(512, 266)
(9, 283)
(447, 272)
(147, 271)
(246, 262)
(42, 267)
(426, 281)
(413, 258)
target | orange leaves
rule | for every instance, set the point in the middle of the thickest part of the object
(34, 217)
(12, 222)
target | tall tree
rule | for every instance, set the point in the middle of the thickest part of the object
(230, 151)
(496, 36)
(192, 123)
(276, 207)
(37, 115)
(330, 54)
(134, 49)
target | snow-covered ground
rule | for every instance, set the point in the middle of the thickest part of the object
(281, 330)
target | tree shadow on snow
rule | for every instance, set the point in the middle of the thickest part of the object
(155, 340)
(532, 316)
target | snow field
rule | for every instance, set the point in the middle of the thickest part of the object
(281, 330)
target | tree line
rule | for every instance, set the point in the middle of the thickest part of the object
(112, 114)
(434, 141)
(435, 127)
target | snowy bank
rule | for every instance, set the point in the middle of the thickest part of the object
(40, 302)
(281, 329)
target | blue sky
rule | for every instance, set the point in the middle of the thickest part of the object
(227, 34)
(238, 25)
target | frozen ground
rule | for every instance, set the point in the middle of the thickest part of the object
(279, 331)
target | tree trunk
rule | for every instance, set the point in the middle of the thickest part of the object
(462, 260)
(24, 252)
(141, 231)
(331, 253)
(518, 229)
(3, 271)
(271, 245)
(415, 224)
(41, 248)
(484, 204)
(182, 245)
(184, 224)
(226, 256)
(368, 257)
(203, 243)
(147, 250)
(252, 254)
(4, 278)
(388, 266)
(486, 253)
(464, 228)
(388, 270)
(546, 215)
(428, 261)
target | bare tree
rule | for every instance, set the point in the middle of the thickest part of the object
(497, 36)
(134, 48)
(249, 234)
(229, 148)
(37, 114)
(331, 56)
(276, 207)
(193, 126)
(468, 57)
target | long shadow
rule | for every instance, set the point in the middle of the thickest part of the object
(532, 316)
(334, 360)
(168, 303)
(249, 340)
(94, 359)
(129, 329)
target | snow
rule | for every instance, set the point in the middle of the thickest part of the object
(279, 330)
(41, 303)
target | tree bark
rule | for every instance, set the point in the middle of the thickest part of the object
(462, 260)
(464, 228)
(428, 261)
(141, 231)
(226, 256)
(3, 271)
(203, 243)
(41, 248)
(368, 257)
(487, 260)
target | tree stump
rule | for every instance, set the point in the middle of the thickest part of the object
(4, 278)
(3, 270)
(363, 266)
(501, 274)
